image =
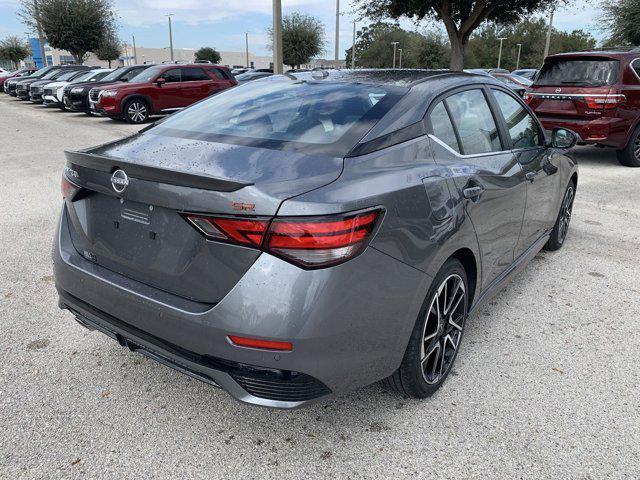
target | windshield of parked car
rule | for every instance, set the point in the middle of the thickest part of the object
(579, 71)
(67, 75)
(113, 75)
(85, 77)
(276, 111)
(148, 74)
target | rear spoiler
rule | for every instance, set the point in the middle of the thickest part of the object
(107, 164)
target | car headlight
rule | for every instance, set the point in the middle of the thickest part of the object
(77, 90)
(108, 93)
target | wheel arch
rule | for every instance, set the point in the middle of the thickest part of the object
(470, 264)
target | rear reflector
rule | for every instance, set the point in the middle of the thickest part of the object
(309, 242)
(263, 344)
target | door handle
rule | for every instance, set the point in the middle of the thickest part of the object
(531, 176)
(473, 192)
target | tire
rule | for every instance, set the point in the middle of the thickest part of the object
(561, 227)
(135, 111)
(434, 343)
(630, 155)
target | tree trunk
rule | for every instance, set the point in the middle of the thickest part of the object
(109, 63)
(457, 53)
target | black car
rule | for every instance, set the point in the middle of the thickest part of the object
(36, 89)
(23, 86)
(76, 96)
(11, 84)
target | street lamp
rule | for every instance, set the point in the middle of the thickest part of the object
(400, 59)
(395, 46)
(353, 48)
(500, 52)
(277, 37)
(518, 60)
(170, 35)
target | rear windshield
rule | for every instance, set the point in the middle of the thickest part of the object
(586, 72)
(328, 117)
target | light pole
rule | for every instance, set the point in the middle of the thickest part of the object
(170, 36)
(246, 45)
(277, 37)
(548, 42)
(353, 48)
(395, 47)
(135, 52)
(500, 52)
(400, 59)
(518, 59)
(337, 33)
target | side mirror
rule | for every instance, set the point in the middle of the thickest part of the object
(563, 138)
(161, 81)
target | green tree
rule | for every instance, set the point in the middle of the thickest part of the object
(483, 48)
(302, 39)
(621, 21)
(208, 53)
(460, 18)
(109, 49)
(78, 26)
(374, 48)
(14, 49)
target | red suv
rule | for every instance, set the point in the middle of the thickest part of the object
(596, 94)
(158, 90)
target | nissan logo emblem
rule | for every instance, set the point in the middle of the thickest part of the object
(558, 90)
(119, 181)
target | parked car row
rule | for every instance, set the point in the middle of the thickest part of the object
(132, 93)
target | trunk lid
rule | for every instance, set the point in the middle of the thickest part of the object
(139, 231)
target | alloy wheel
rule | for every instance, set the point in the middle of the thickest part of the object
(636, 148)
(443, 329)
(565, 214)
(137, 112)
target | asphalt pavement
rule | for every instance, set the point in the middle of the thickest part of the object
(547, 383)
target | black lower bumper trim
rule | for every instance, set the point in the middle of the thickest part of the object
(267, 383)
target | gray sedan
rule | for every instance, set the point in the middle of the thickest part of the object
(305, 235)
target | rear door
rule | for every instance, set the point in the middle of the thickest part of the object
(485, 171)
(526, 139)
(221, 81)
(196, 85)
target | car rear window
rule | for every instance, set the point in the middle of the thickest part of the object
(289, 114)
(586, 72)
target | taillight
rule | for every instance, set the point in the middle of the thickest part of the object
(309, 242)
(68, 188)
(606, 102)
(321, 241)
(241, 231)
(527, 97)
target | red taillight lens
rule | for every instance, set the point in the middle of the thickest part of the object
(263, 344)
(309, 242)
(241, 231)
(527, 97)
(68, 188)
(321, 241)
(606, 102)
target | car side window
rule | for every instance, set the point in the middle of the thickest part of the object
(474, 122)
(194, 75)
(172, 76)
(132, 73)
(442, 126)
(522, 127)
(218, 73)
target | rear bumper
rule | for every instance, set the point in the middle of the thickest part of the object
(609, 131)
(349, 324)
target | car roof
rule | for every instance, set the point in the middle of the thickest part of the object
(612, 52)
(402, 77)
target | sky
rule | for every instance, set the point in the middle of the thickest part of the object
(222, 23)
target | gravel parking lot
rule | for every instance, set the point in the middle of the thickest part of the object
(546, 385)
